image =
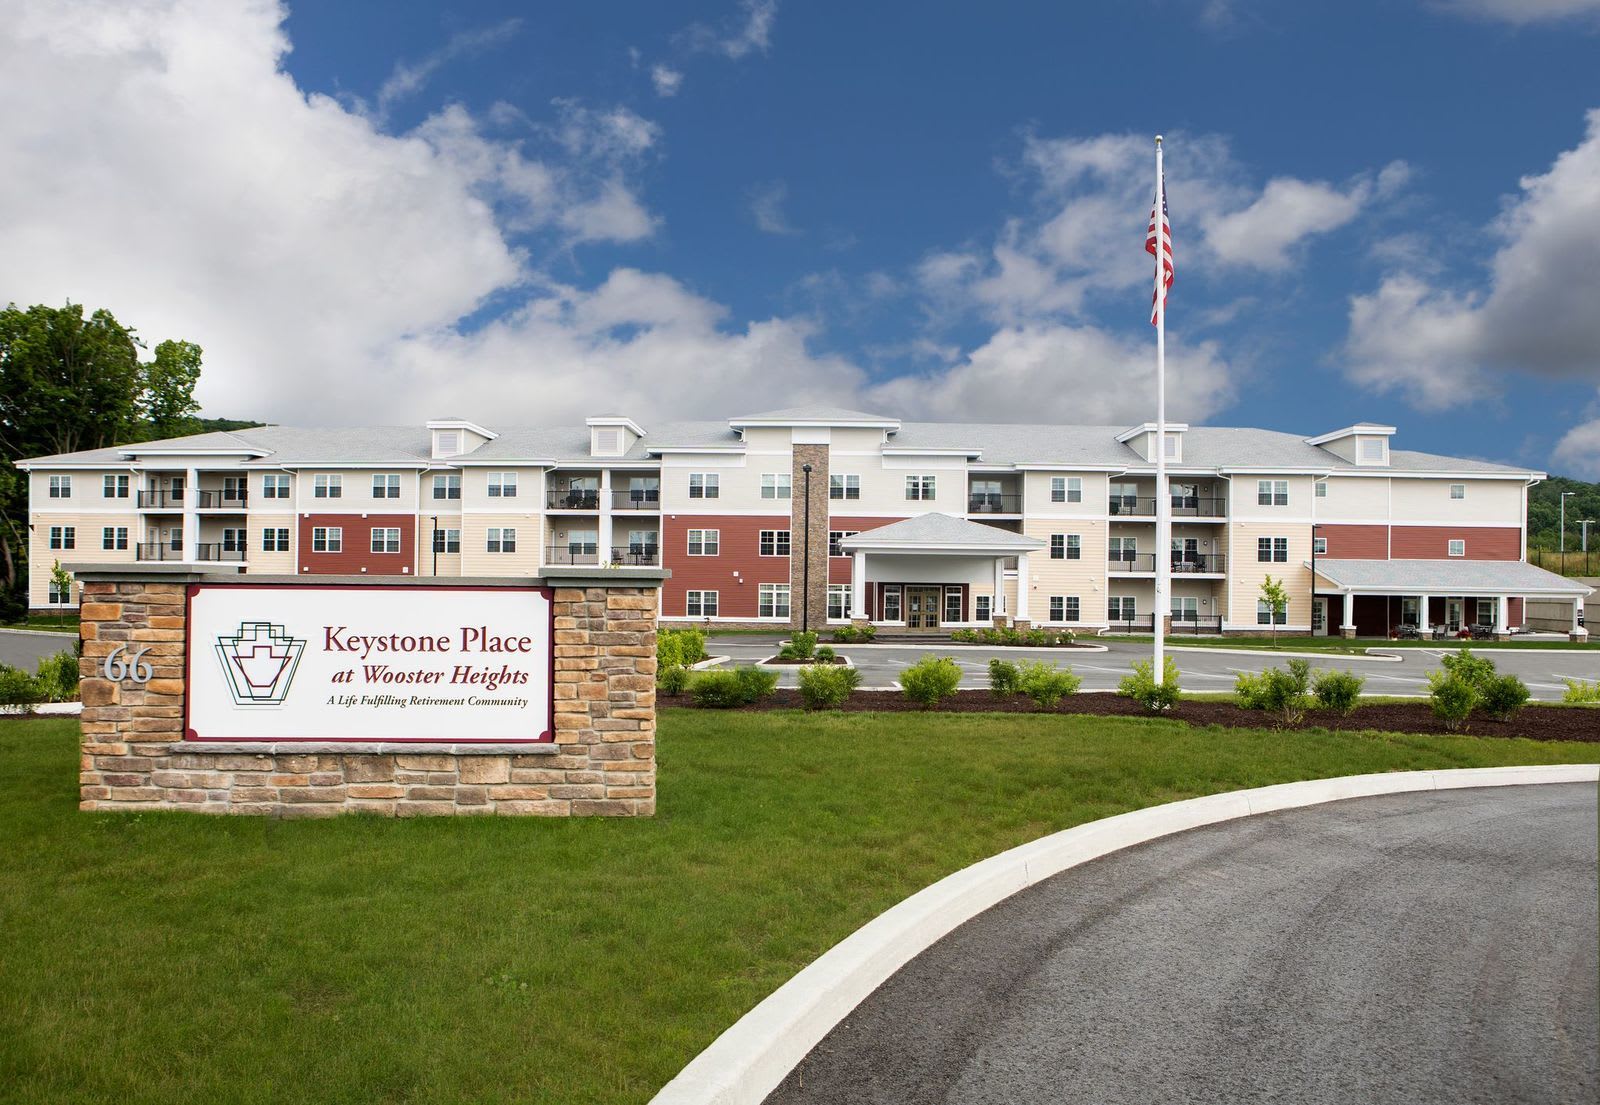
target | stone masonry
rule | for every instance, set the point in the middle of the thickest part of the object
(817, 599)
(602, 763)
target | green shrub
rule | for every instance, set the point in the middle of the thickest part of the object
(1142, 687)
(965, 636)
(789, 652)
(1276, 691)
(1475, 671)
(1338, 690)
(755, 684)
(1452, 698)
(804, 645)
(1581, 692)
(58, 676)
(826, 655)
(18, 688)
(683, 647)
(716, 690)
(866, 632)
(844, 635)
(1004, 678)
(1502, 696)
(1047, 684)
(673, 679)
(826, 686)
(931, 680)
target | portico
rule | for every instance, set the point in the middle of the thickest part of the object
(1376, 597)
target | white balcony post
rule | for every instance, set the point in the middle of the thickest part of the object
(1022, 588)
(998, 606)
(191, 514)
(604, 536)
(1422, 616)
(858, 585)
(1347, 627)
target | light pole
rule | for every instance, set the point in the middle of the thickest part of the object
(1565, 495)
(435, 519)
(805, 568)
(1315, 526)
(1586, 523)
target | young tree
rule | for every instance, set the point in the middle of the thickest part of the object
(1276, 596)
(63, 581)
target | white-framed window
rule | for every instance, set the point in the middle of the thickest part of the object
(1123, 498)
(1319, 545)
(835, 539)
(838, 600)
(114, 537)
(1058, 608)
(59, 595)
(775, 485)
(500, 539)
(774, 542)
(1185, 608)
(844, 486)
(1265, 616)
(1066, 489)
(446, 540)
(235, 540)
(235, 489)
(61, 487)
(1121, 608)
(953, 605)
(114, 487)
(983, 608)
(1058, 546)
(327, 486)
(1272, 550)
(701, 604)
(891, 605)
(705, 485)
(385, 539)
(1486, 609)
(275, 486)
(275, 539)
(386, 485)
(920, 488)
(1458, 547)
(774, 601)
(1458, 491)
(1122, 550)
(1321, 489)
(331, 539)
(704, 542)
(447, 486)
(63, 537)
(1272, 492)
(502, 485)
(643, 490)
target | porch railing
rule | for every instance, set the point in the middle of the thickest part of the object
(572, 553)
(575, 499)
(1131, 562)
(994, 502)
(223, 500)
(160, 500)
(637, 556)
(637, 498)
(1183, 506)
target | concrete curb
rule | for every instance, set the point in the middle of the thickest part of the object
(1382, 658)
(709, 662)
(745, 1063)
(67, 634)
(957, 646)
(43, 709)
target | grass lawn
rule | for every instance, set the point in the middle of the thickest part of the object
(178, 957)
(1356, 646)
(52, 622)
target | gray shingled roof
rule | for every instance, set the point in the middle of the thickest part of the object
(941, 529)
(815, 413)
(1447, 577)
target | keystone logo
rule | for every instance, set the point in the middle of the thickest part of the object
(260, 662)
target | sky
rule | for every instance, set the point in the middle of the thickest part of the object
(376, 212)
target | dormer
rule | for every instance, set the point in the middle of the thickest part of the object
(611, 435)
(1142, 440)
(1366, 444)
(453, 437)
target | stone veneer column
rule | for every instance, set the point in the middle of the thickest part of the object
(817, 600)
(602, 762)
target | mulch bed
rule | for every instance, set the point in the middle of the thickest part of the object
(1537, 722)
(806, 663)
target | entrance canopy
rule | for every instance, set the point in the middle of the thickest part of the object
(1380, 595)
(961, 557)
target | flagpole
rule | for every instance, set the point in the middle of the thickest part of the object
(1163, 498)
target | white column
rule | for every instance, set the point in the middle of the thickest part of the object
(1500, 608)
(191, 516)
(1422, 616)
(604, 536)
(1349, 621)
(998, 606)
(1022, 587)
(858, 585)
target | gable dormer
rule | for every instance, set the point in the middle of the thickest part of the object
(612, 435)
(1366, 444)
(453, 437)
(1142, 440)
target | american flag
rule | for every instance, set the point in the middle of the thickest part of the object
(1160, 239)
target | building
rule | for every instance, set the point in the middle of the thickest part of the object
(910, 524)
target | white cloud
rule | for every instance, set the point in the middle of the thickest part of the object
(1578, 452)
(408, 78)
(666, 79)
(1287, 212)
(1443, 347)
(752, 33)
(1523, 11)
(766, 208)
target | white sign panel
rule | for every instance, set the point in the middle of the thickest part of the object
(289, 662)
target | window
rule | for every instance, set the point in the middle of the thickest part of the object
(844, 487)
(444, 487)
(328, 487)
(1058, 546)
(953, 605)
(1122, 550)
(891, 604)
(1272, 550)
(704, 542)
(63, 537)
(1124, 498)
(386, 486)
(274, 486)
(234, 540)
(643, 490)
(1486, 611)
(1458, 547)
(61, 487)
(235, 489)
(385, 539)
(1120, 608)
(838, 600)
(1322, 489)
(774, 600)
(115, 487)
(920, 488)
(642, 542)
(1058, 608)
(275, 540)
(836, 538)
(1458, 491)
(1272, 492)
(775, 485)
(331, 539)
(114, 537)
(982, 608)
(1066, 489)
(1265, 616)
(1185, 608)
(501, 540)
(60, 596)
(705, 485)
(701, 604)
(446, 540)
(774, 542)
(1319, 545)
(502, 485)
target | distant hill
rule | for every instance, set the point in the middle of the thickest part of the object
(1544, 514)
(212, 425)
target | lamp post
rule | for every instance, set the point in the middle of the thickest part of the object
(1586, 523)
(434, 518)
(1315, 526)
(1565, 495)
(805, 567)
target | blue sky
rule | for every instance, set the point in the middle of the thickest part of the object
(389, 211)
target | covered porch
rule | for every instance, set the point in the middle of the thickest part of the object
(1435, 598)
(936, 571)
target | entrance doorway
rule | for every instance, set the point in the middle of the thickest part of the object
(1319, 616)
(1452, 615)
(922, 607)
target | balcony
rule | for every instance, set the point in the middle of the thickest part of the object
(1183, 506)
(160, 500)
(994, 502)
(1132, 563)
(637, 498)
(1182, 564)
(157, 550)
(637, 556)
(574, 499)
(206, 550)
(574, 552)
(223, 500)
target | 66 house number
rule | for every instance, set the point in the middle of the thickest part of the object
(134, 668)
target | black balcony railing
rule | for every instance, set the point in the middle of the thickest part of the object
(637, 498)
(223, 500)
(217, 550)
(1146, 624)
(573, 499)
(1131, 562)
(1189, 563)
(157, 550)
(161, 500)
(205, 550)
(1190, 621)
(637, 556)
(573, 552)
(1183, 506)
(994, 502)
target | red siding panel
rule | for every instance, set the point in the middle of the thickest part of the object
(739, 543)
(357, 553)
(1355, 542)
(1432, 542)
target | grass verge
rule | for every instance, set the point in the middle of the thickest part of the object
(1357, 646)
(163, 957)
(49, 622)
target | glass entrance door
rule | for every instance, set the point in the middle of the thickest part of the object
(1319, 616)
(922, 607)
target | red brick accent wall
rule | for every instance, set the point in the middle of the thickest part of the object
(839, 566)
(739, 552)
(1432, 542)
(357, 553)
(1355, 542)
